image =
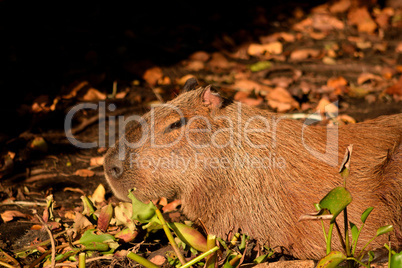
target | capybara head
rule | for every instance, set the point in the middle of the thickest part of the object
(237, 167)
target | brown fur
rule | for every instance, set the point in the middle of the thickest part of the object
(265, 203)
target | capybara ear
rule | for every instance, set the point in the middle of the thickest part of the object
(190, 84)
(211, 97)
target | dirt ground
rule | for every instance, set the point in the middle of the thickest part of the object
(292, 57)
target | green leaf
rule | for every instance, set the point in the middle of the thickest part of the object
(385, 229)
(366, 213)
(232, 261)
(371, 256)
(89, 209)
(396, 260)
(142, 212)
(260, 259)
(242, 245)
(336, 201)
(100, 242)
(355, 231)
(189, 235)
(141, 260)
(332, 260)
(259, 66)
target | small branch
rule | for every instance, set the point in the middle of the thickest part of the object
(340, 236)
(74, 264)
(170, 237)
(158, 96)
(51, 239)
(10, 258)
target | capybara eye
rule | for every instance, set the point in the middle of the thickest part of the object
(176, 125)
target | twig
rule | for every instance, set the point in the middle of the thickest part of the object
(44, 243)
(158, 96)
(170, 237)
(41, 177)
(24, 203)
(10, 258)
(74, 264)
(75, 130)
(51, 239)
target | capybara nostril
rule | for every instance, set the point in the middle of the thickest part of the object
(113, 166)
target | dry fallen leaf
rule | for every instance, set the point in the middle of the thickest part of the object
(395, 89)
(383, 17)
(243, 97)
(336, 82)
(318, 35)
(346, 119)
(302, 54)
(158, 260)
(326, 22)
(152, 75)
(99, 194)
(364, 77)
(303, 25)
(325, 106)
(184, 79)
(398, 48)
(163, 201)
(171, 206)
(195, 65)
(361, 17)
(96, 161)
(84, 173)
(39, 104)
(340, 6)
(75, 90)
(249, 85)
(9, 215)
(121, 95)
(219, 61)
(199, 56)
(76, 190)
(287, 37)
(281, 100)
(261, 49)
(93, 95)
(359, 92)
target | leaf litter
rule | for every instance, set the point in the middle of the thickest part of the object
(335, 51)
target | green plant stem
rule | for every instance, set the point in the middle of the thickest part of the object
(200, 257)
(323, 230)
(356, 260)
(233, 261)
(142, 261)
(357, 238)
(329, 238)
(170, 237)
(211, 243)
(389, 254)
(81, 260)
(362, 250)
(347, 243)
(6, 265)
(340, 236)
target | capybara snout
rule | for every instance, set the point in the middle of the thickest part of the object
(238, 167)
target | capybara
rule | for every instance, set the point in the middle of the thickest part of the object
(236, 167)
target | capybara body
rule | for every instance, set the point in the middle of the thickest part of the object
(238, 167)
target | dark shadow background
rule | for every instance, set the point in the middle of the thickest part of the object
(45, 46)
